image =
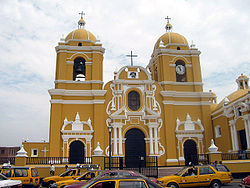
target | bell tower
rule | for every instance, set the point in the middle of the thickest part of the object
(78, 91)
(175, 64)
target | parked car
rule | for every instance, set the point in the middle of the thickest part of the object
(84, 177)
(67, 175)
(245, 183)
(120, 181)
(111, 173)
(28, 175)
(197, 176)
(5, 182)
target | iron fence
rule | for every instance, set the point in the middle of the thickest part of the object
(236, 156)
(148, 166)
(203, 159)
(54, 160)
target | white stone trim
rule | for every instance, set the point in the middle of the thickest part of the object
(60, 101)
(74, 52)
(231, 104)
(174, 65)
(79, 48)
(79, 82)
(86, 62)
(139, 82)
(32, 151)
(180, 83)
(186, 94)
(172, 160)
(65, 92)
(185, 103)
(133, 67)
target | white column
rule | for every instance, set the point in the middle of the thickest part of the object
(156, 140)
(232, 136)
(236, 138)
(115, 140)
(151, 151)
(120, 140)
(247, 132)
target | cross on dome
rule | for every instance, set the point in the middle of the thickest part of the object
(168, 27)
(81, 22)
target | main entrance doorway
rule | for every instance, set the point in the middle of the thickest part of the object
(76, 152)
(190, 152)
(135, 149)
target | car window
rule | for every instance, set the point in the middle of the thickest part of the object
(221, 168)
(7, 172)
(205, 170)
(105, 184)
(34, 172)
(132, 184)
(191, 172)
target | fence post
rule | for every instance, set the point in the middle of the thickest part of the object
(21, 157)
(215, 157)
(98, 160)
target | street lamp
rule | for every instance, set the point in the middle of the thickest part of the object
(110, 131)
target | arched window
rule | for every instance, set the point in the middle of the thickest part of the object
(133, 100)
(180, 69)
(79, 67)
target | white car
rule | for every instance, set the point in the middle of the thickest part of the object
(5, 182)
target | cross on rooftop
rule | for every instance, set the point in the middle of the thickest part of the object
(82, 13)
(131, 55)
(167, 18)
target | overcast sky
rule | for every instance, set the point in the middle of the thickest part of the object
(30, 30)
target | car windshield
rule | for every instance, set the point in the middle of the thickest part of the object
(180, 172)
(2, 177)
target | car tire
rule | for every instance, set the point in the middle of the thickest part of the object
(215, 184)
(172, 185)
(50, 183)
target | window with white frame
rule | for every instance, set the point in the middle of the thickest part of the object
(217, 131)
(34, 153)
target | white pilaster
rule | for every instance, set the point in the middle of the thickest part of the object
(247, 130)
(156, 140)
(120, 140)
(115, 140)
(151, 151)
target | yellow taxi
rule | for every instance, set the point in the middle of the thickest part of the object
(67, 175)
(197, 176)
(84, 177)
(28, 175)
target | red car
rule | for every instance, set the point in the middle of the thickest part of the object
(110, 173)
(245, 182)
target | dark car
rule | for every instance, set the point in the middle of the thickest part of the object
(245, 182)
(112, 173)
(120, 181)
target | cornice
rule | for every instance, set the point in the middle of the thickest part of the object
(61, 101)
(185, 94)
(180, 83)
(79, 82)
(80, 48)
(221, 109)
(186, 103)
(133, 81)
(65, 92)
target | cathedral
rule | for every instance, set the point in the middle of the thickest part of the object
(159, 110)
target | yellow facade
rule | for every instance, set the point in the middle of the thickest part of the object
(158, 110)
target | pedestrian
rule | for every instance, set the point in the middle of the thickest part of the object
(66, 168)
(52, 170)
